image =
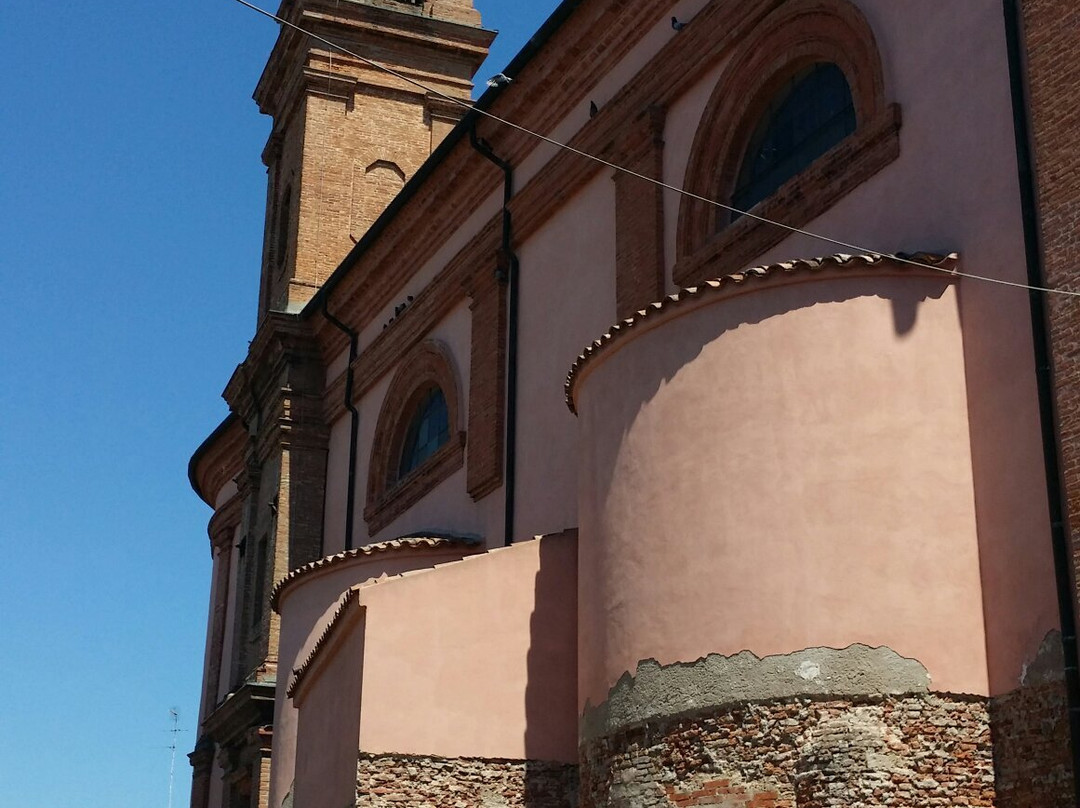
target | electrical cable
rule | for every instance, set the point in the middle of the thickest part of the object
(855, 248)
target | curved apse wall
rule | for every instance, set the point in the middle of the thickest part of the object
(782, 463)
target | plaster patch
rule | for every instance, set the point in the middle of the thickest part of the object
(662, 691)
(1048, 665)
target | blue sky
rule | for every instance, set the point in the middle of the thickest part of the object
(131, 198)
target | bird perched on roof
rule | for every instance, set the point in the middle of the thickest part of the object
(678, 26)
(499, 80)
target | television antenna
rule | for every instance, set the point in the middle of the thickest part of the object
(174, 715)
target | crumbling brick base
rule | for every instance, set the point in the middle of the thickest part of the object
(1031, 747)
(911, 751)
(401, 781)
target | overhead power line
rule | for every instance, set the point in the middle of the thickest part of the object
(847, 245)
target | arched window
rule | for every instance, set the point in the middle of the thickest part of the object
(428, 431)
(809, 115)
(798, 119)
(418, 439)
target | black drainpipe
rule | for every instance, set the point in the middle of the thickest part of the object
(354, 432)
(1040, 324)
(507, 272)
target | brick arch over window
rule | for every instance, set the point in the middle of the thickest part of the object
(388, 496)
(795, 36)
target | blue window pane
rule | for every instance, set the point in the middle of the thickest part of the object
(429, 429)
(808, 116)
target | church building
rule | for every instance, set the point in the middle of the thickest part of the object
(693, 419)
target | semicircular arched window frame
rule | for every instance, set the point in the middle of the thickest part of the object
(427, 432)
(787, 137)
(418, 441)
(808, 116)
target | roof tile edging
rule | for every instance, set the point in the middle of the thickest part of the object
(369, 550)
(352, 595)
(347, 600)
(943, 264)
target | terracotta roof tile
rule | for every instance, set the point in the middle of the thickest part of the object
(941, 264)
(404, 543)
(350, 598)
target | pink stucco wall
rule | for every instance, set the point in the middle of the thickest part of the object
(953, 188)
(228, 491)
(567, 298)
(218, 590)
(228, 640)
(305, 607)
(447, 508)
(326, 778)
(782, 469)
(337, 489)
(473, 659)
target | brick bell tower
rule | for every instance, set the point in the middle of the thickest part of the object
(347, 136)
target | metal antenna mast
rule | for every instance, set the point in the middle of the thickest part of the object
(175, 715)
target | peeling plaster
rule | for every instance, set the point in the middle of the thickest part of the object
(662, 691)
(1048, 664)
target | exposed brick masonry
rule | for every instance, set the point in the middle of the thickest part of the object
(400, 781)
(460, 185)
(1033, 720)
(346, 137)
(890, 751)
(639, 218)
(487, 385)
(1053, 72)
(1031, 747)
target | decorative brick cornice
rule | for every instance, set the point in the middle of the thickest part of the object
(249, 706)
(833, 266)
(443, 109)
(279, 385)
(358, 26)
(218, 460)
(332, 85)
(271, 152)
